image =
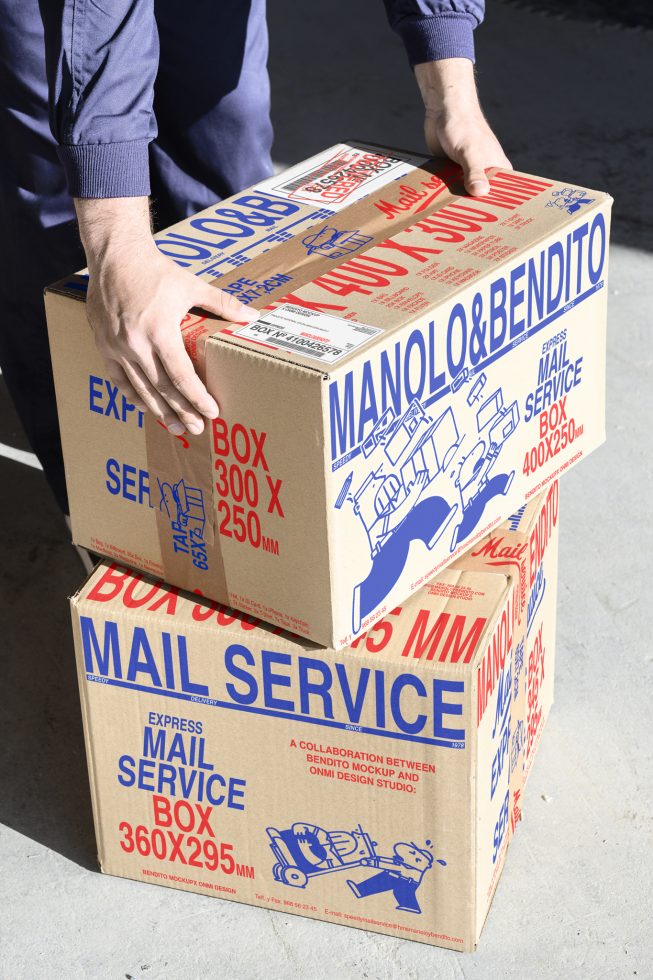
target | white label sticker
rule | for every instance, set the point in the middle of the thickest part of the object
(343, 174)
(309, 333)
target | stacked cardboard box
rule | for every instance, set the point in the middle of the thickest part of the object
(425, 364)
(378, 786)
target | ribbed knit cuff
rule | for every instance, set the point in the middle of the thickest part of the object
(106, 169)
(437, 38)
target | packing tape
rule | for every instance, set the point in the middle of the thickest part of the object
(181, 468)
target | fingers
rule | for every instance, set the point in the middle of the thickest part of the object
(137, 329)
(142, 392)
(224, 304)
(158, 376)
(170, 380)
(173, 373)
(118, 376)
(177, 420)
(154, 391)
(476, 182)
(468, 140)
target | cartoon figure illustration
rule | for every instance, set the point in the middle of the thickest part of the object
(395, 501)
(423, 476)
(402, 875)
(569, 199)
(305, 850)
(333, 243)
(182, 503)
(495, 424)
(415, 450)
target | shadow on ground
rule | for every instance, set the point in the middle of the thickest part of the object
(565, 96)
(43, 781)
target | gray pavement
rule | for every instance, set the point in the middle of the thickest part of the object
(574, 900)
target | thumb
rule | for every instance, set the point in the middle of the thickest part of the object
(476, 183)
(224, 304)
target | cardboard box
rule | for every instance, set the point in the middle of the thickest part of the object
(377, 787)
(426, 363)
(526, 547)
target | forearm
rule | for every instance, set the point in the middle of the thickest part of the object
(445, 82)
(136, 301)
(438, 35)
(454, 123)
(112, 227)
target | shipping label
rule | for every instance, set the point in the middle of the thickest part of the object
(310, 333)
(338, 178)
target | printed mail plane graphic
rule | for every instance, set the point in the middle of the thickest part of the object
(333, 243)
(422, 478)
(304, 851)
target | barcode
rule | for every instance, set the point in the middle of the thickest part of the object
(305, 178)
(368, 331)
(300, 349)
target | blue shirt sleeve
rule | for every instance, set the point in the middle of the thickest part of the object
(101, 62)
(436, 29)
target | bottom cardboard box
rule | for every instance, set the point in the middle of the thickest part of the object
(377, 787)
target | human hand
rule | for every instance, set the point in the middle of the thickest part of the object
(136, 301)
(454, 124)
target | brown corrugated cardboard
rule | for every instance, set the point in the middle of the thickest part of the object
(526, 547)
(426, 362)
(377, 787)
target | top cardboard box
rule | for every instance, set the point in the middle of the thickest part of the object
(424, 364)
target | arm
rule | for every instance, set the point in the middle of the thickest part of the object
(136, 301)
(439, 40)
(101, 63)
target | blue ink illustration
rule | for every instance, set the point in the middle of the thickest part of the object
(495, 423)
(535, 598)
(514, 519)
(333, 243)
(401, 874)
(422, 477)
(517, 744)
(519, 664)
(304, 851)
(569, 199)
(182, 504)
(184, 507)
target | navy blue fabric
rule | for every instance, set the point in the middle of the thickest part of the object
(103, 60)
(436, 29)
(212, 103)
(214, 138)
(39, 241)
(123, 98)
(101, 64)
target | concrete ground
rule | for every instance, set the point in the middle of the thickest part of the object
(574, 900)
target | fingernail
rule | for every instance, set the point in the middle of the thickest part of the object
(249, 314)
(195, 427)
(479, 187)
(212, 410)
(176, 429)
